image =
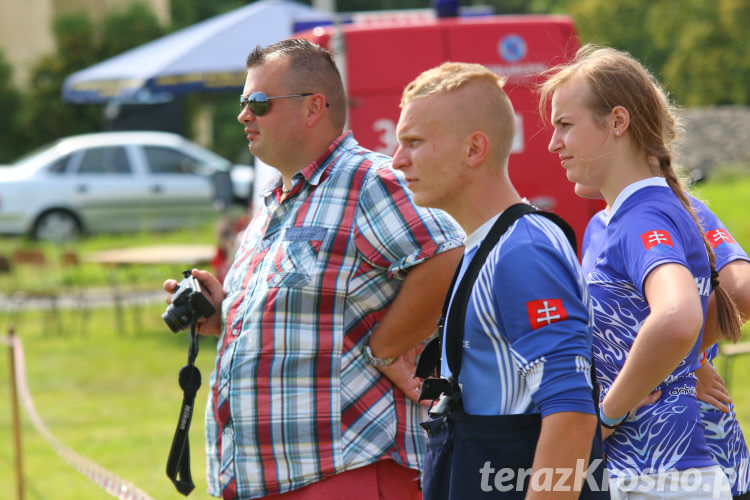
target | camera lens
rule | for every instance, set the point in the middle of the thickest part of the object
(176, 318)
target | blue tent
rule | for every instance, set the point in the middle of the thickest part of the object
(206, 56)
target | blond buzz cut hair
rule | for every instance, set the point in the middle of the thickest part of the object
(494, 115)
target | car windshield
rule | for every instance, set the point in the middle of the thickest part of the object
(35, 154)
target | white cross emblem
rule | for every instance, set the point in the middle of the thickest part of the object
(720, 236)
(657, 237)
(546, 310)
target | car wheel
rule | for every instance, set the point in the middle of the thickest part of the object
(56, 225)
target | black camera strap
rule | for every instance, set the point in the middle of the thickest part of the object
(429, 361)
(178, 463)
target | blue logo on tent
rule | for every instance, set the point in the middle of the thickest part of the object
(512, 48)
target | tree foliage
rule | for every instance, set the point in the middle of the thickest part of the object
(123, 30)
(710, 62)
(10, 104)
(44, 116)
(184, 13)
(696, 47)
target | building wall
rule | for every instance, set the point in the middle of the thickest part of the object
(26, 26)
(715, 136)
(25, 33)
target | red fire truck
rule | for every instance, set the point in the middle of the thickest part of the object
(380, 57)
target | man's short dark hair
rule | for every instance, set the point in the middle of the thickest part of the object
(312, 69)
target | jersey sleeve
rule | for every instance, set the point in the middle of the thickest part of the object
(544, 313)
(392, 232)
(649, 239)
(725, 247)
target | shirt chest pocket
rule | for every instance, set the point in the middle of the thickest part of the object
(295, 258)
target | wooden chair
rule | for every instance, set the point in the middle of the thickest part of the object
(4, 265)
(6, 274)
(70, 264)
(40, 288)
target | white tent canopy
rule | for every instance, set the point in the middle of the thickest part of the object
(206, 56)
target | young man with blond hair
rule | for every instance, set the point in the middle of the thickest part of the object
(517, 357)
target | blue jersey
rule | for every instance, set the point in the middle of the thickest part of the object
(647, 227)
(723, 433)
(527, 334)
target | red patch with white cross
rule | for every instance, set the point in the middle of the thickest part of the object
(544, 312)
(719, 236)
(655, 238)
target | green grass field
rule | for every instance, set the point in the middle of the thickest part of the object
(114, 398)
(110, 396)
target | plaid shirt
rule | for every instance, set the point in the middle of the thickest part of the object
(292, 399)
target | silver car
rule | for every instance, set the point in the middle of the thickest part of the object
(116, 181)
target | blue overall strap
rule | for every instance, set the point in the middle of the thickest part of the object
(429, 360)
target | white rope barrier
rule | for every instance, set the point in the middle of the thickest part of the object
(105, 479)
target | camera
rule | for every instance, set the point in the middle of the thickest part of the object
(188, 304)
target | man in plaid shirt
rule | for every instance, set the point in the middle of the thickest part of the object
(336, 279)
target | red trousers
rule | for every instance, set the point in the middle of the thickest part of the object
(384, 480)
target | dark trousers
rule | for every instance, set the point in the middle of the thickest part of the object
(490, 456)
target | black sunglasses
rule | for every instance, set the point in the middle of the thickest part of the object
(259, 103)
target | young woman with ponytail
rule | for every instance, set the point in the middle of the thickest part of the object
(722, 428)
(613, 131)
